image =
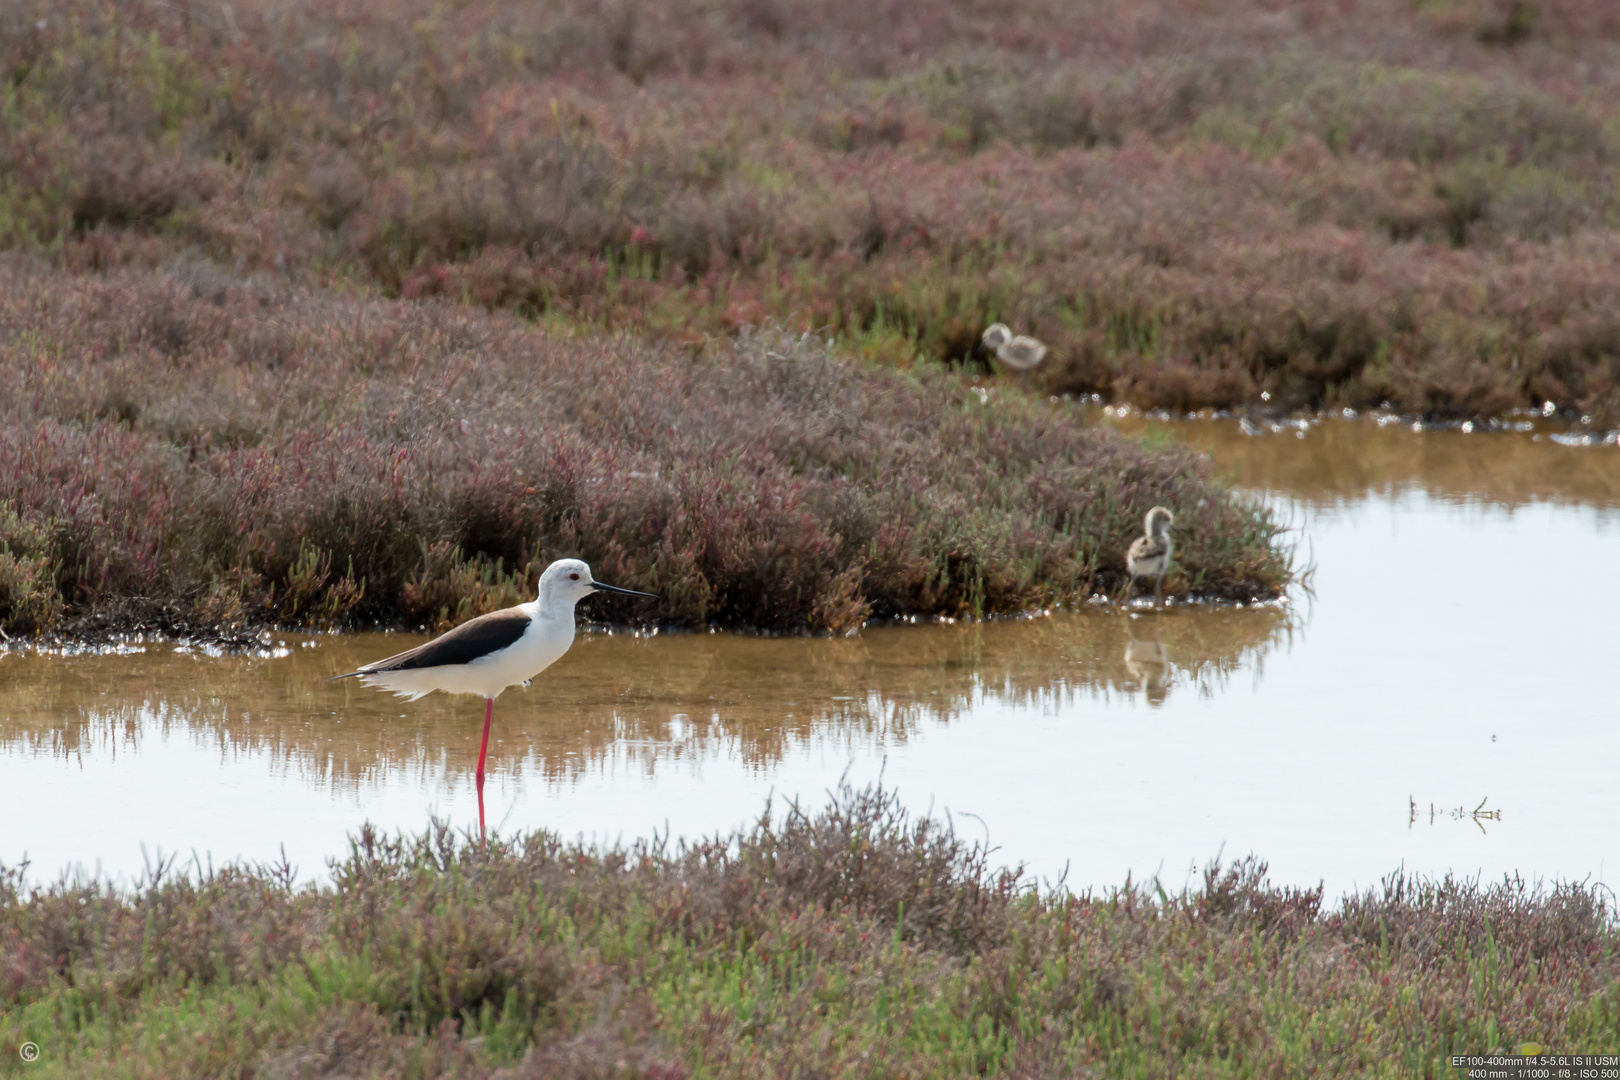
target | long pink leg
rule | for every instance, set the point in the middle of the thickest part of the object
(483, 842)
(483, 751)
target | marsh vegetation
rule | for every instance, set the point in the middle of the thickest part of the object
(197, 454)
(849, 940)
(1330, 204)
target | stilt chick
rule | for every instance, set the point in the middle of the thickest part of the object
(1149, 554)
(1019, 353)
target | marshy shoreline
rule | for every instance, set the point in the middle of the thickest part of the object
(850, 939)
(102, 633)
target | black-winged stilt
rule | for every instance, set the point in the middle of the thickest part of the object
(1149, 554)
(492, 652)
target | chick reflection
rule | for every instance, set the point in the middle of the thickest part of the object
(1149, 668)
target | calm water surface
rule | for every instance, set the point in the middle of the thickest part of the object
(1441, 699)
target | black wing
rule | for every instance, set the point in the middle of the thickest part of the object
(469, 641)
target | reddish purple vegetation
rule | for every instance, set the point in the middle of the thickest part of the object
(194, 451)
(1330, 202)
(1335, 202)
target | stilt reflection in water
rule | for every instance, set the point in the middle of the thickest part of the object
(1149, 666)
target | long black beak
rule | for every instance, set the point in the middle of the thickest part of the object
(614, 588)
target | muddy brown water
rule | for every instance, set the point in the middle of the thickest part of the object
(1441, 699)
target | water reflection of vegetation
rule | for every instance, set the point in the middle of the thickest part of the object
(623, 701)
(1340, 459)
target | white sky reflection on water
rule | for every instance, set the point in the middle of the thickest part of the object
(1453, 651)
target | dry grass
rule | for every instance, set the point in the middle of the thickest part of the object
(191, 451)
(853, 942)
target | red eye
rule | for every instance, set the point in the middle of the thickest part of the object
(573, 577)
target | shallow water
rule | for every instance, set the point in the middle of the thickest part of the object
(1440, 699)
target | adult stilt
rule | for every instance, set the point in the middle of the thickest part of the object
(486, 655)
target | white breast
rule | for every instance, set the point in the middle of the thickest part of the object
(1147, 558)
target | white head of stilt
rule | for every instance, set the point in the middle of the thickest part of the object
(565, 583)
(997, 336)
(1158, 521)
